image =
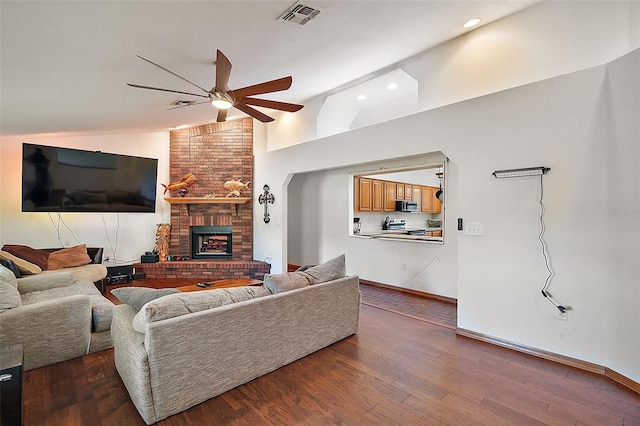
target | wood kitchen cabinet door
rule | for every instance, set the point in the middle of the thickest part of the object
(408, 192)
(362, 194)
(437, 205)
(377, 195)
(389, 196)
(399, 191)
(416, 195)
(427, 199)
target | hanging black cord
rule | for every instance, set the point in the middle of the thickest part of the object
(547, 263)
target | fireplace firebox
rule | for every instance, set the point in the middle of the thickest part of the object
(211, 242)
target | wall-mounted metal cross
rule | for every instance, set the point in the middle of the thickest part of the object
(266, 198)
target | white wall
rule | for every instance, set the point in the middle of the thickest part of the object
(584, 126)
(548, 39)
(127, 234)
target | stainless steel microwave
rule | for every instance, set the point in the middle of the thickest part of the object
(406, 206)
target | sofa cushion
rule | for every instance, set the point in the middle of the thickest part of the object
(9, 296)
(8, 277)
(330, 270)
(25, 267)
(277, 283)
(69, 257)
(101, 307)
(179, 304)
(137, 297)
(35, 256)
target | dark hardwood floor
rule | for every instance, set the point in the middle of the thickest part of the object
(397, 370)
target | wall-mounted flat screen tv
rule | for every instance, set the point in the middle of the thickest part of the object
(72, 180)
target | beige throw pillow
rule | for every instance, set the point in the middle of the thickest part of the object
(26, 268)
(328, 271)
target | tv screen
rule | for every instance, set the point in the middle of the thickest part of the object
(73, 180)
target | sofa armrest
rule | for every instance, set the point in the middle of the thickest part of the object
(44, 281)
(51, 331)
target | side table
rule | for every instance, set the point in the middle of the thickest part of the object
(11, 385)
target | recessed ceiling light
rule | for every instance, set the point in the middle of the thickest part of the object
(361, 97)
(471, 23)
(392, 86)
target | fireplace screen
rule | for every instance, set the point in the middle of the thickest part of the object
(211, 242)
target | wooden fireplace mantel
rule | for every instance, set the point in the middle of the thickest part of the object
(230, 201)
(207, 200)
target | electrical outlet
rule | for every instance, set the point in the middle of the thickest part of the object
(563, 316)
(474, 229)
(404, 266)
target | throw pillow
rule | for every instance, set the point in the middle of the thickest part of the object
(35, 256)
(69, 257)
(137, 297)
(10, 266)
(9, 297)
(186, 303)
(7, 276)
(26, 268)
(328, 271)
(277, 283)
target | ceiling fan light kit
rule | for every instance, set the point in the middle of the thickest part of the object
(222, 98)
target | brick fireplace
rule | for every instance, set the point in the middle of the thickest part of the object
(214, 153)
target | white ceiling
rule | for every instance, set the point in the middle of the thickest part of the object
(64, 65)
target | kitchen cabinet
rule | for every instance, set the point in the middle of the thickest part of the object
(377, 195)
(389, 196)
(416, 195)
(362, 194)
(427, 199)
(430, 204)
(399, 191)
(437, 205)
(408, 192)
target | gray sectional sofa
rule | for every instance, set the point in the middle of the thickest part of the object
(195, 350)
(54, 315)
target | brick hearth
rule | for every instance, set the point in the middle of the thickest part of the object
(206, 270)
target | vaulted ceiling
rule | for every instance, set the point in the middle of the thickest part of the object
(65, 65)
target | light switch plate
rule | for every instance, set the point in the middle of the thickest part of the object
(474, 229)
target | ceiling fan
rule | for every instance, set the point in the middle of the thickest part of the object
(222, 98)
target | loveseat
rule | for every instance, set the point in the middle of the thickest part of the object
(195, 353)
(53, 315)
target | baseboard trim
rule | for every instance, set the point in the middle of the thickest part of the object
(551, 356)
(623, 380)
(412, 291)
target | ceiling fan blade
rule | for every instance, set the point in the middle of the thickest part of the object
(261, 88)
(171, 72)
(166, 90)
(222, 115)
(253, 113)
(188, 105)
(223, 70)
(282, 106)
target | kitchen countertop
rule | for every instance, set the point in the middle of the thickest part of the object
(401, 234)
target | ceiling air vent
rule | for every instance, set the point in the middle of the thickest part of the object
(182, 102)
(299, 14)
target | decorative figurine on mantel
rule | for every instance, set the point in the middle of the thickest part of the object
(163, 233)
(234, 186)
(181, 186)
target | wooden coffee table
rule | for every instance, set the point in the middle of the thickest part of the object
(228, 283)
